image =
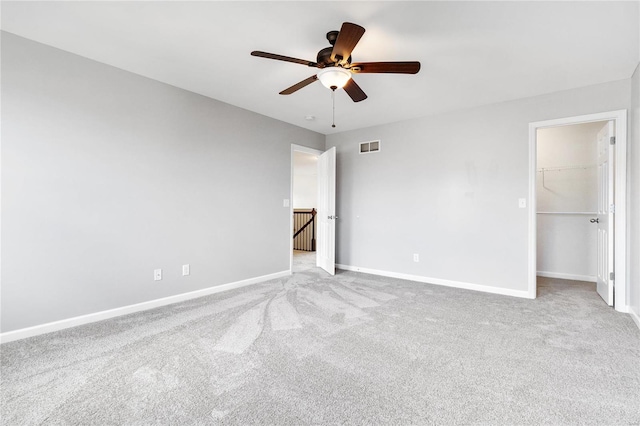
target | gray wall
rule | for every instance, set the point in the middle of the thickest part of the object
(447, 187)
(107, 175)
(634, 191)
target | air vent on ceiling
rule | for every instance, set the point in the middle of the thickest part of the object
(368, 147)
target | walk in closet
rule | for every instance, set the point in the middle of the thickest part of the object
(567, 201)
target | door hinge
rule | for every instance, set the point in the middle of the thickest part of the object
(612, 276)
(612, 208)
(612, 140)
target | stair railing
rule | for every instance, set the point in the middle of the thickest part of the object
(304, 230)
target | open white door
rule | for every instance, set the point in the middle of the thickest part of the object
(326, 247)
(605, 222)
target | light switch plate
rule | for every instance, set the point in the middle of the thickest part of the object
(157, 274)
(285, 202)
(522, 203)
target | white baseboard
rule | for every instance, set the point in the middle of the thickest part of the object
(23, 333)
(562, 276)
(635, 316)
(438, 281)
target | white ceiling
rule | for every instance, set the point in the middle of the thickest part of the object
(472, 53)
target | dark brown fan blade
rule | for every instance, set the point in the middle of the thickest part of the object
(348, 37)
(283, 58)
(300, 85)
(386, 67)
(354, 91)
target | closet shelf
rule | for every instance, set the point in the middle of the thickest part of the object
(569, 213)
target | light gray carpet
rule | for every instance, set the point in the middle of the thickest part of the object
(349, 349)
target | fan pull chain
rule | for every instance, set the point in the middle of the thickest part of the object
(333, 100)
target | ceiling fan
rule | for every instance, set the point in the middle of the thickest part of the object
(336, 67)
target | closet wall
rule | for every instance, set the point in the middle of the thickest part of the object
(567, 201)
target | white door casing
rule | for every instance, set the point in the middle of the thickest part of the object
(326, 242)
(605, 220)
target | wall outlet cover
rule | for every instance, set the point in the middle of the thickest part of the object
(157, 274)
(186, 270)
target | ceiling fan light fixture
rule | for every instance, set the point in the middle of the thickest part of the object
(334, 77)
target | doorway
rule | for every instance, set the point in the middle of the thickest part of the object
(567, 187)
(326, 205)
(304, 200)
(562, 178)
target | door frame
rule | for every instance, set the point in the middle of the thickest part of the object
(306, 150)
(619, 117)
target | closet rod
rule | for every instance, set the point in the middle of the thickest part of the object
(579, 213)
(559, 169)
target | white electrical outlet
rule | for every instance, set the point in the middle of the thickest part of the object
(185, 270)
(157, 274)
(285, 202)
(416, 257)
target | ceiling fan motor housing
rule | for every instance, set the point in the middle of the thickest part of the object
(324, 57)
